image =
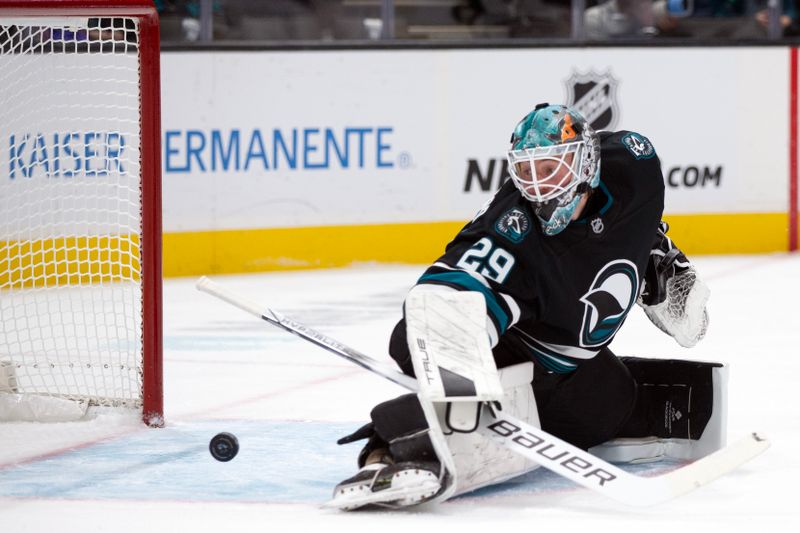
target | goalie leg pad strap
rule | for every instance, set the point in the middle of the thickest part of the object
(401, 424)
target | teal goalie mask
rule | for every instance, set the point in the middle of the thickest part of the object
(554, 160)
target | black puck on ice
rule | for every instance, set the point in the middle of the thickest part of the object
(224, 446)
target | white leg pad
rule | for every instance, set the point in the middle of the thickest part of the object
(455, 368)
(481, 462)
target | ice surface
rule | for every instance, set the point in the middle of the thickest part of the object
(288, 401)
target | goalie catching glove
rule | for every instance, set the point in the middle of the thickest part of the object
(672, 295)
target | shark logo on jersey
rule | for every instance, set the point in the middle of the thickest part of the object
(607, 302)
(639, 145)
(513, 225)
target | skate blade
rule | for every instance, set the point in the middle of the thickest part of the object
(406, 490)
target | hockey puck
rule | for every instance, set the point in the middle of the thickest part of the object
(224, 446)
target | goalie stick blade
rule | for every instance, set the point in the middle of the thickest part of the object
(712, 466)
(532, 442)
(593, 473)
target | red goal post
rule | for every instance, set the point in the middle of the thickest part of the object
(80, 229)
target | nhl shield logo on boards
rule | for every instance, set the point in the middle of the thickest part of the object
(595, 97)
(513, 225)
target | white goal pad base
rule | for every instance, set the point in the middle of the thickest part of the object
(8, 378)
(38, 408)
(15, 407)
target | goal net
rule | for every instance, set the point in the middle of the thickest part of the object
(80, 206)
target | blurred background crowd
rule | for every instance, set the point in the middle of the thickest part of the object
(187, 21)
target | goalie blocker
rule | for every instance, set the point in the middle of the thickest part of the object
(424, 448)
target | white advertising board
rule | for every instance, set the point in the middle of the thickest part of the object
(69, 145)
(292, 139)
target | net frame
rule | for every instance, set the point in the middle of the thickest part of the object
(150, 165)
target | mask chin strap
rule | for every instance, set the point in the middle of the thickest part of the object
(554, 217)
(545, 210)
(560, 217)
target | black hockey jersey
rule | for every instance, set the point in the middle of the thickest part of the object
(563, 296)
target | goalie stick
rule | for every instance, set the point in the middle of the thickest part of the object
(532, 442)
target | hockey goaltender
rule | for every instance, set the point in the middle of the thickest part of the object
(520, 310)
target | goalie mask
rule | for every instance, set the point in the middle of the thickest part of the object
(554, 160)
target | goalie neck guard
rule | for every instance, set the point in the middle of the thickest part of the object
(554, 159)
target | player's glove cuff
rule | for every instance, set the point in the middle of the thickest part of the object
(666, 261)
(672, 296)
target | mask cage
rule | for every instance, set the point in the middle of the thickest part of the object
(540, 189)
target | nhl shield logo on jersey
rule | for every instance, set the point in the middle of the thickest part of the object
(639, 145)
(595, 97)
(607, 302)
(513, 225)
(597, 225)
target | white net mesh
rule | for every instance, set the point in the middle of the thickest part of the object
(70, 207)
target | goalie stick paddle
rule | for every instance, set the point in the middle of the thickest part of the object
(529, 441)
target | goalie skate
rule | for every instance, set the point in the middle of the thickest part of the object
(388, 486)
